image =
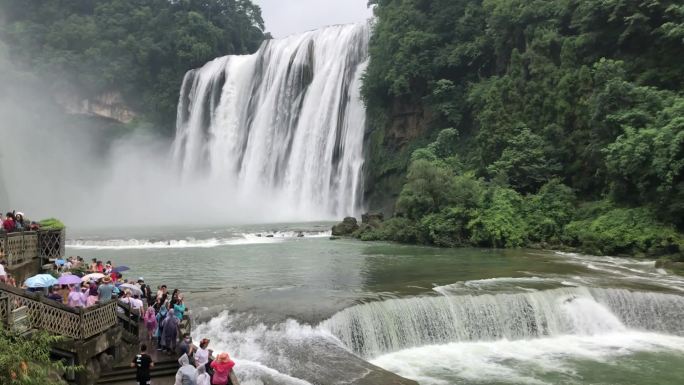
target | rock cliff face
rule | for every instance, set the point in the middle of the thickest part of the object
(408, 122)
(389, 147)
(108, 105)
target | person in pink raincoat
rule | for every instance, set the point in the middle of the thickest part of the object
(150, 321)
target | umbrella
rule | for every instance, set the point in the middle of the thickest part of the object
(69, 279)
(119, 269)
(92, 277)
(133, 288)
(40, 280)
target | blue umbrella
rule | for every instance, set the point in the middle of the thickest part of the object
(40, 280)
(119, 269)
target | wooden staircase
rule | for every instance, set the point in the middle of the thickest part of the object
(126, 374)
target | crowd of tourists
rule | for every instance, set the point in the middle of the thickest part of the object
(197, 365)
(160, 311)
(16, 221)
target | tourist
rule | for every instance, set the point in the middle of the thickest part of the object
(170, 332)
(142, 362)
(93, 266)
(8, 223)
(186, 374)
(222, 368)
(105, 290)
(147, 292)
(65, 291)
(3, 272)
(76, 297)
(179, 308)
(19, 221)
(99, 268)
(137, 305)
(186, 346)
(203, 353)
(203, 378)
(162, 294)
(150, 322)
(92, 294)
(53, 294)
(174, 297)
(161, 316)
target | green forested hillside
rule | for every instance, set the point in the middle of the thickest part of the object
(140, 48)
(551, 122)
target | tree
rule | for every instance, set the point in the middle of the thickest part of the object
(26, 361)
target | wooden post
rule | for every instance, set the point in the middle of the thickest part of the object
(81, 323)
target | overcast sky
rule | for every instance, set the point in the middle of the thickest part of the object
(285, 17)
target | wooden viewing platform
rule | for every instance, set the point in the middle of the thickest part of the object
(26, 251)
(102, 338)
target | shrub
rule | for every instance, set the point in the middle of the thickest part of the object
(624, 231)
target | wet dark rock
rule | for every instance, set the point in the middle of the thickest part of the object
(372, 219)
(346, 227)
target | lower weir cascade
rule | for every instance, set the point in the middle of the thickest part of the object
(285, 123)
(391, 325)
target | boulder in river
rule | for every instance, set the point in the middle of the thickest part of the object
(346, 227)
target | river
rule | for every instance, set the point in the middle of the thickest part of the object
(293, 306)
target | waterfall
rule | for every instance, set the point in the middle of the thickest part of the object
(286, 123)
(379, 327)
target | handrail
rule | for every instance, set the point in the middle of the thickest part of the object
(52, 316)
(21, 246)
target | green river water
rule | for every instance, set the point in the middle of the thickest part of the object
(438, 316)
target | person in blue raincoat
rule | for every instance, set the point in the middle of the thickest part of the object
(161, 315)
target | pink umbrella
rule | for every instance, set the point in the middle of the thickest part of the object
(69, 279)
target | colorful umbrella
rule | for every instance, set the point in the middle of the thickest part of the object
(119, 269)
(40, 280)
(92, 277)
(69, 279)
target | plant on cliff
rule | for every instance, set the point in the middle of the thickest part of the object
(26, 361)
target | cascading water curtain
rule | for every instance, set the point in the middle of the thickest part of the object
(286, 123)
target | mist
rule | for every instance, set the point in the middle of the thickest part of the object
(92, 173)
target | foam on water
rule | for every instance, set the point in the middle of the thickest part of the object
(240, 240)
(626, 269)
(519, 361)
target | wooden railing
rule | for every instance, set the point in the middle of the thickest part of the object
(54, 317)
(23, 246)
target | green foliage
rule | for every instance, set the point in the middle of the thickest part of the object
(549, 104)
(548, 211)
(500, 222)
(426, 190)
(26, 361)
(624, 231)
(51, 224)
(139, 48)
